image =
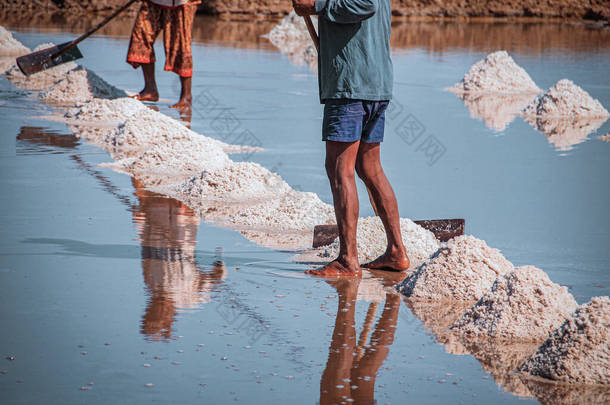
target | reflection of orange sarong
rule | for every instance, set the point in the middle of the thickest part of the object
(177, 26)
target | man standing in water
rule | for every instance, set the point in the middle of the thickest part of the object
(355, 80)
(175, 19)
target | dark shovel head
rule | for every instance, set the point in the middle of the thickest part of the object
(45, 58)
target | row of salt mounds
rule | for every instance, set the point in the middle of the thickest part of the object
(565, 100)
(233, 182)
(461, 270)
(577, 352)
(371, 241)
(292, 38)
(9, 46)
(522, 305)
(80, 84)
(41, 80)
(496, 73)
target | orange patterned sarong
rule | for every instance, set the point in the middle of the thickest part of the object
(177, 26)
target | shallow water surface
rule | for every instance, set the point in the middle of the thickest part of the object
(110, 293)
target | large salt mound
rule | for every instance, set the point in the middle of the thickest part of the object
(41, 80)
(147, 128)
(577, 352)
(80, 84)
(565, 100)
(496, 73)
(372, 242)
(522, 305)
(462, 270)
(172, 162)
(237, 181)
(9, 46)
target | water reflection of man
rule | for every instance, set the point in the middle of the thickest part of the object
(353, 364)
(168, 236)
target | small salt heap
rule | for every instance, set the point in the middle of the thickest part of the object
(565, 100)
(80, 85)
(9, 46)
(461, 270)
(372, 242)
(522, 305)
(496, 73)
(577, 352)
(291, 37)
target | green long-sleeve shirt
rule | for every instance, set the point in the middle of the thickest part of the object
(354, 60)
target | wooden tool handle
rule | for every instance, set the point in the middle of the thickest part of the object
(97, 27)
(312, 32)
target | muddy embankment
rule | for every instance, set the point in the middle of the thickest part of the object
(564, 9)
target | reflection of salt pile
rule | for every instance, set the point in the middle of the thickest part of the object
(522, 305)
(496, 110)
(437, 318)
(80, 84)
(566, 114)
(41, 80)
(500, 360)
(291, 37)
(605, 138)
(9, 46)
(578, 351)
(462, 270)
(496, 73)
(371, 241)
(550, 393)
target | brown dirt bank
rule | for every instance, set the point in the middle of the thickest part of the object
(571, 9)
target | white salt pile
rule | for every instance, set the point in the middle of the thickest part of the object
(172, 162)
(231, 182)
(462, 270)
(577, 352)
(9, 46)
(496, 73)
(41, 80)
(372, 242)
(496, 110)
(291, 37)
(100, 110)
(565, 100)
(522, 305)
(80, 85)
(294, 210)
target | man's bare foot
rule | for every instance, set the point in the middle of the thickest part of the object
(183, 103)
(145, 95)
(336, 268)
(390, 261)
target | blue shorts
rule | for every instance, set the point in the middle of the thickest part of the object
(354, 120)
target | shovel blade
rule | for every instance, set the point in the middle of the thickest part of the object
(43, 59)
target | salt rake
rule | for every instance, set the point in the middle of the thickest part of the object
(56, 55)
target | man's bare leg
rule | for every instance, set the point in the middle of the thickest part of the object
(368, 167)
(340, 164)
(149, 92)
(185, 94)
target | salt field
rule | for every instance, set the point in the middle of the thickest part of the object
(151, 254)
